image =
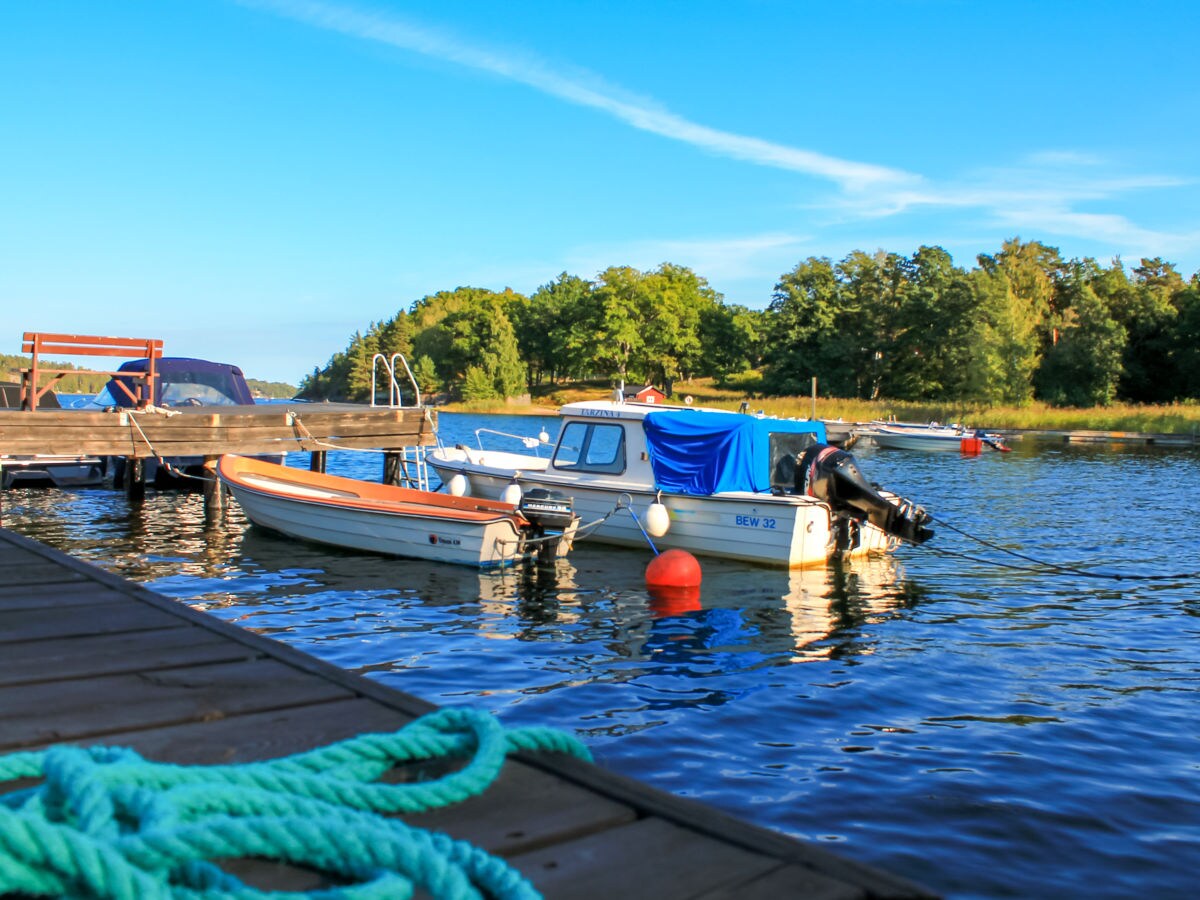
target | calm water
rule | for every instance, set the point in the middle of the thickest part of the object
(983, 730)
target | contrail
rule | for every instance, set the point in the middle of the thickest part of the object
(640, 114)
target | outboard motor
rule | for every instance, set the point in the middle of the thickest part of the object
(553, 520)
(831, 475)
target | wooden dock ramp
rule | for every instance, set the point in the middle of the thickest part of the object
(91, 659)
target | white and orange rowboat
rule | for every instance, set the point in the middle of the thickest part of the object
(399, 521)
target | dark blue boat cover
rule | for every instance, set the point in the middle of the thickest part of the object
(182, 379)
(702, 452)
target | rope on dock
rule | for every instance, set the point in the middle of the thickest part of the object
(106, 823)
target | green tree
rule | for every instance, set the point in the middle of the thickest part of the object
(672, 301)
(1083, 366)
(549, 329)
(1148, 312)
(610, 331)
(804, 332)
(1015, 290)
(426, 375)
(937, 330)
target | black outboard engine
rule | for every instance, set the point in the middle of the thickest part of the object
(831, 475)
(553, 518)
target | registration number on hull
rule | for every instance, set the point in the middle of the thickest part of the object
(754, 522)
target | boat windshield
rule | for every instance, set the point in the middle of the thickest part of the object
(591, 447)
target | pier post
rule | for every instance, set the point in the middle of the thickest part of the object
(135, 478)
(316, 463)
(214, 491)
(393, 470)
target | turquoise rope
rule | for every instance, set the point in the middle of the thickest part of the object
(106, 823)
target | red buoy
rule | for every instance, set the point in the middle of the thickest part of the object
(673, 569)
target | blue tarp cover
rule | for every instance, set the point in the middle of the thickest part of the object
(701, 452)
(180, 377)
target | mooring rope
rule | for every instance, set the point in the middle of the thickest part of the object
(178, 473)
(1046, 567)
(106, 823)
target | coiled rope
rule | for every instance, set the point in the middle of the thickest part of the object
(106, 823)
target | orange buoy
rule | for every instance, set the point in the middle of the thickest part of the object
(673, 569)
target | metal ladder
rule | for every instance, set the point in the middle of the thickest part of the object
(413, 470)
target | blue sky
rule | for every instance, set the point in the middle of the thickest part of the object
(254, 181)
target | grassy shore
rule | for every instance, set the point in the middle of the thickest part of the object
(1175, 418)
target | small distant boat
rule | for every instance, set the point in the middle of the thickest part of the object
(398, 521)
(953, 438)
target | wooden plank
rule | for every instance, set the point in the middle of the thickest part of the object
(80, 709)
(37, 572)
(30, 662)
(523, 811)
(788, 881)
(104, 618)
(583, 869)
(56, 594)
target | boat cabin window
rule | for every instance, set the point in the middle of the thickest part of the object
(591, 447)
(786, 450)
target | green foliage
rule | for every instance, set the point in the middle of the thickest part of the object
(1023, 326)
(277, 390)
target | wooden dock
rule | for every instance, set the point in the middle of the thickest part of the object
(213, 430)
(91, 659)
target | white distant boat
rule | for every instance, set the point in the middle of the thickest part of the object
(383, 518)
(720, 483)
(952, 438)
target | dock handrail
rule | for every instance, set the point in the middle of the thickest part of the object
(394, 397)
(39, 343)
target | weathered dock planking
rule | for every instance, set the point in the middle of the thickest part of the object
(213, 430)
(89, 658)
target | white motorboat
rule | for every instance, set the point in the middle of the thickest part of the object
(952, 438)
(383, 518)
(713, 482)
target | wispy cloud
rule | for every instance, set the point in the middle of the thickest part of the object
(582, 89)
(1040, 193)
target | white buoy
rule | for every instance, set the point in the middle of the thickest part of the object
(543, 437)
(511, 493)
(458, 485)
(658, 520)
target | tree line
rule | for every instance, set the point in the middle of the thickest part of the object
(1023, 324)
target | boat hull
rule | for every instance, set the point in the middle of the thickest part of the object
(343, 512)
(789, 531)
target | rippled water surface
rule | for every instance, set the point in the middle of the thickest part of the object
(985, 730)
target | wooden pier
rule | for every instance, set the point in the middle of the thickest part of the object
(89, 658)
(213, 430)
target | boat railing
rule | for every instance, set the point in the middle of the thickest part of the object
(395, 400)
(530, 443)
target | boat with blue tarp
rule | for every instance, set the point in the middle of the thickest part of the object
(709, 481)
